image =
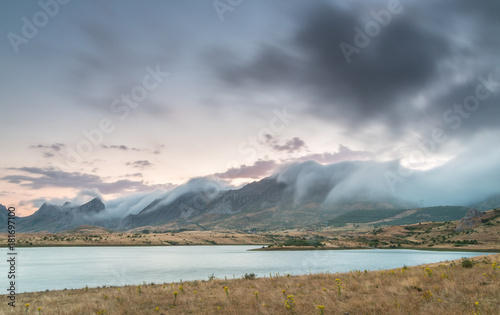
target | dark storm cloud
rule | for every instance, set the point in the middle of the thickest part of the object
(421, 51)
(461, 115)
(39, 178)
(401, 60)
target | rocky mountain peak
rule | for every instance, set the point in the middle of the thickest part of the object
(93, 206)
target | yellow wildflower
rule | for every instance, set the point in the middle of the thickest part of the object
(320, 308)
(428, 271)
(427, 295)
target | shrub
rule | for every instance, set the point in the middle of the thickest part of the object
(467, 263)
(250, 276)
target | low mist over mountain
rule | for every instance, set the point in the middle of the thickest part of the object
(53, 218)
(299, 194)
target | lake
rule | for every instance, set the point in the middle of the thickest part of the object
(42, 268)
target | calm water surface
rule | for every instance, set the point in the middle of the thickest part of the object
(43, 268)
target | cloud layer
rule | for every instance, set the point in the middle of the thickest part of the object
(409, 74)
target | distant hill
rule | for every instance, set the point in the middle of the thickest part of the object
(88, 229)
(490, 203)
(400, 216)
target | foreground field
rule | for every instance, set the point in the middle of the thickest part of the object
(458, 287)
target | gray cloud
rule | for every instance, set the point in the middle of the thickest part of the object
(56, 146)
(263, 168)
(112, 66)
(258, 170)
(133, 175)
(142, 164)
(118, 147)
(40, 178)
(343, 154)
(416, 55)
(49, 151)
(290, 146)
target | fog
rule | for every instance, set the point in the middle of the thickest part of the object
(469, 178)
(208, 188)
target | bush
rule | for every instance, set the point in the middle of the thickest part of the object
(250, 276)
(302, 242)
(467, 263)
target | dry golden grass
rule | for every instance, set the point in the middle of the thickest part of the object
(441, 288)
(96, 237)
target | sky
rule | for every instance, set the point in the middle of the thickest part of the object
(124, 98)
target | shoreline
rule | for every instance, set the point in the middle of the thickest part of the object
(127, 245)
(490, 250)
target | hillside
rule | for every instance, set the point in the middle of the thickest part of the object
(400, 217)
(483, 234)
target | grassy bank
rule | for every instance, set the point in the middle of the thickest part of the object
(457, 287)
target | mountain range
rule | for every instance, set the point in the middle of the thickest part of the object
(307, 194)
